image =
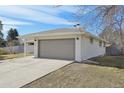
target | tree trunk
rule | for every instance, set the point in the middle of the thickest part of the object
(122, 41)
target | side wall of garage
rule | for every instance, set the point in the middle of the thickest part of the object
(93, 49)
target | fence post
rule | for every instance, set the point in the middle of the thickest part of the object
(25, 48)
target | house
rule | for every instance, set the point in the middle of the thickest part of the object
(66, 43)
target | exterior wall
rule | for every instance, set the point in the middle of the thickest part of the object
(78, 44)
(56, 37)
(30, 48)
(83, 47)
(36, 48)
(90, 50)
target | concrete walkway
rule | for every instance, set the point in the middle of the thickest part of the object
(16, 73)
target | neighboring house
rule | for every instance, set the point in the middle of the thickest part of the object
(66, 43)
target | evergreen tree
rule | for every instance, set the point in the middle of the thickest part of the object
(12, 37)
(15, 33)
(1, 35)
(2, 41)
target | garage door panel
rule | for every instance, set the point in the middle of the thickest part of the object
(59, 49)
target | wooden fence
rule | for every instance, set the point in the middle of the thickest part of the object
(113, 51)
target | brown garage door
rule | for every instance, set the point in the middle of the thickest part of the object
(58, 49)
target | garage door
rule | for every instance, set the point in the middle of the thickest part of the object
(58, 49)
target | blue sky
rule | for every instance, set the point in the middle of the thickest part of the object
(30, 19)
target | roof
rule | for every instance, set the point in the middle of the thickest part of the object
(53, 31)
(61, 31)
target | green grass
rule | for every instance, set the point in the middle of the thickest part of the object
(113, 61)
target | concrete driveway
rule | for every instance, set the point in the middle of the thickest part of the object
(18, 72)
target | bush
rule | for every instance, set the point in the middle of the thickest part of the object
(3, 52)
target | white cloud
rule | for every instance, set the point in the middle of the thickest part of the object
(6, 28)
(27, 13)
(70, 9)
(54, 10)
(8, 21)
(11, 23)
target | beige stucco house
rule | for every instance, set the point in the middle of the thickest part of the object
(66, 43)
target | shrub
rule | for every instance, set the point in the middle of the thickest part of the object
(3, 52)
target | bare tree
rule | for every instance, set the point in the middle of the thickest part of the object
(104, 18)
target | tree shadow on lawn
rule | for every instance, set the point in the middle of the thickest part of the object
(108, 61)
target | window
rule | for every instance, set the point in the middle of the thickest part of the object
(100, 43)
(91, 40)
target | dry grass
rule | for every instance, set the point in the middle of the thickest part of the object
(112, 61)
(79, 75)
(11, 56)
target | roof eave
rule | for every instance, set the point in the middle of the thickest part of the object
(52, 34)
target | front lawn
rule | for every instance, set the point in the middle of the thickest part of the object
(79, 75)
(113, 61)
